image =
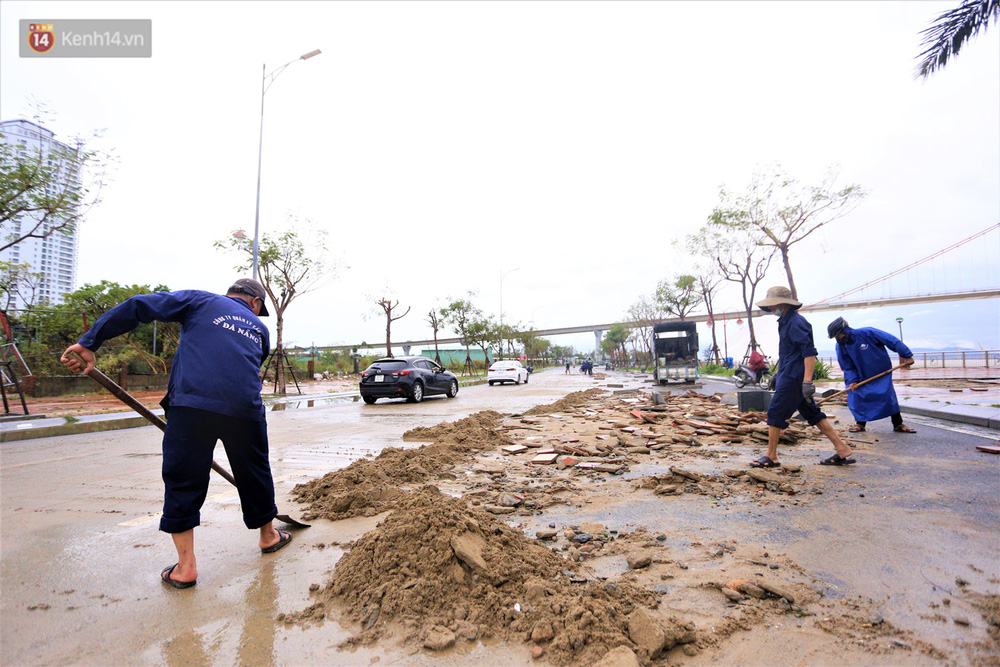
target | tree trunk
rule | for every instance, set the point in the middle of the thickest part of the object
(388, 338)
(279, 359)
(788, 270)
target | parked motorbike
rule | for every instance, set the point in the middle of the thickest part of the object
(745, 375)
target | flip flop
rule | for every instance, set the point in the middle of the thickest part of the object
(165, 576)
(903, 428)
(857, 429)
(837, 460)
(285, 539)
(764, 462)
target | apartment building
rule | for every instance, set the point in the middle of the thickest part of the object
(56, 255)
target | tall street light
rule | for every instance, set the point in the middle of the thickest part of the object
(899, 320)
(265, 83)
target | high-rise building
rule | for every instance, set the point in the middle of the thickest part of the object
(55, 255)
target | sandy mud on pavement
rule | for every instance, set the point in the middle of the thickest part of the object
(603, 529)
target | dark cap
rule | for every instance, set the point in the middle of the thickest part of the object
(251, 288)
(836, 327)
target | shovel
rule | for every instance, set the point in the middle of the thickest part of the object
(844, 391)
(131, 401)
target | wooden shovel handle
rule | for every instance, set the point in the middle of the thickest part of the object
(874, 377)
(131, 401)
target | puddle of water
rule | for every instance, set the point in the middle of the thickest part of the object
(313, 402)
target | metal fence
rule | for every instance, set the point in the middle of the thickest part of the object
(954, 359)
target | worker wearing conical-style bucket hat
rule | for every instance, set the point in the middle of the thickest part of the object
(794, 389)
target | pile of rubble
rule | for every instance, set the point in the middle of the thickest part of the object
(605, 434)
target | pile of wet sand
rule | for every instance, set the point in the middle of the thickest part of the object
(475, 433)
(444, 573)
(576, 399)
(370, 486)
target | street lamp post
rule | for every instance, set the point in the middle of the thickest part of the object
(264, 85)
(899, 320)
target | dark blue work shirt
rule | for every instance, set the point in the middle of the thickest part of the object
(795, 343)
(222, 346)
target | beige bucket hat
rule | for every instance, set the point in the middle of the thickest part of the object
(776, 296)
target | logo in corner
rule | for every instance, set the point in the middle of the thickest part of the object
(41, 37)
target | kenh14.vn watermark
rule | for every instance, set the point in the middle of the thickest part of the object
(86, 38)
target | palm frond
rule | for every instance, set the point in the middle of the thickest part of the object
(951, 30)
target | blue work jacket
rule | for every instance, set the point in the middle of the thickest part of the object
(222, 346)
(862, 356)
(795, 343)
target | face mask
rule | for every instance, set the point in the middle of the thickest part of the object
(778, 311)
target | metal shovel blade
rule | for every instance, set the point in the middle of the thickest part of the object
(131, 401)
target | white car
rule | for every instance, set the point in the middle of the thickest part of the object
(509, 370)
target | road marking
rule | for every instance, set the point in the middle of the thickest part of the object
(35, 463)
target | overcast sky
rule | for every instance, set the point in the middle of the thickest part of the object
(567, 143)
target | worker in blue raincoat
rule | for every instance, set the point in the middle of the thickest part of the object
(862, 354)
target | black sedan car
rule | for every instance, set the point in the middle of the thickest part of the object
(411, 378)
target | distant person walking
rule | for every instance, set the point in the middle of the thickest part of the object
(861, 355)
(794, 389)
(567, 368)
(213, 394)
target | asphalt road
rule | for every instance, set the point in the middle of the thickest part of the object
(80, 553)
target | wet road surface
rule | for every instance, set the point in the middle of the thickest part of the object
(80, 553)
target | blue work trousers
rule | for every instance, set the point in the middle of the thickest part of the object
(786, 400)
(188, 446)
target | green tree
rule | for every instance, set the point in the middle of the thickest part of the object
(484, 332)
(951, 30)
(614, 343)
(459, 314)
(783, 212)
(678, 296)
(44, 192)
(291, 262)
(149, 346)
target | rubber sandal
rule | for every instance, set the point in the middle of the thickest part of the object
(165, 577)
(837, 460)
(764, 462)
(285, 539)
(856, 429)
(903, 428)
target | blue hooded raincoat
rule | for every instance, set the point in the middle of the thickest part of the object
(861, 356)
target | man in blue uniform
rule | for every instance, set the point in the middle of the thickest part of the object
(861, 355)
(213, 394)
(794, 389)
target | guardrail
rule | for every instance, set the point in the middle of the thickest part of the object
(952, 359)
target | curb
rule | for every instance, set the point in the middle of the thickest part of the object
(14, 431)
